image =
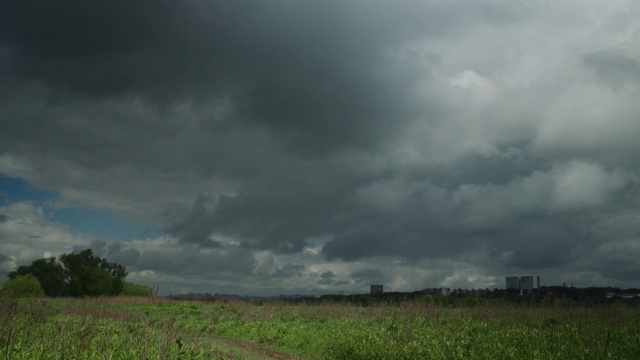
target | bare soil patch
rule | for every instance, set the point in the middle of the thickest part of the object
(262, 352)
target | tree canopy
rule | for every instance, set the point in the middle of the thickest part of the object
(49, 272)
(76, 274)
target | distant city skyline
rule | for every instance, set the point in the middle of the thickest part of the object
(524, 282)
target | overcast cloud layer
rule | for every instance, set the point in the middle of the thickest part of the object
(319, 146)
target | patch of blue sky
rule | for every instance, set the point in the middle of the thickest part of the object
(16, 190)
(104, 224)
(99, 223)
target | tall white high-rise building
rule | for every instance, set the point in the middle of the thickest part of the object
(524, 283)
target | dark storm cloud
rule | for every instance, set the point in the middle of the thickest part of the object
(278, 210)
(189, 261)
(120, 46)
(380, 215)
(193, 227)
(621, 266)
(545, 243)
(87, 48)
(4, 258)
(267, 133)
(318, 72)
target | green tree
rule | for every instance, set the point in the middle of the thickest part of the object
(22, 286)
(76, 274)
(89, 275)
(49, 272)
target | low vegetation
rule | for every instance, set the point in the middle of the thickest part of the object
(137, 290)
(22, 286)
(147, 328)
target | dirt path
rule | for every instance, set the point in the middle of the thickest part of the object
(260, 352)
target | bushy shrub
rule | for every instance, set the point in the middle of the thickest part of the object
(132, 289)
(22, 286)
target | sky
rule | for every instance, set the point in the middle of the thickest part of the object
(312, 147)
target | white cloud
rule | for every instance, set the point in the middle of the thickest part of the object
(591, 120)
(494, 206)
(580, 185)
(13, 166)
(480, 88)
(28, 234)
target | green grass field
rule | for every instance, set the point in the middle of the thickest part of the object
(131, 328)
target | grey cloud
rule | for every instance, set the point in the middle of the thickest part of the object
(78, 248)
(327, 275)
(617, 261)
(126, 257)
(112, 251)
(413, 130)
(98, 247)
(615, 67)
(326, 278)
(62, 43)
(4, 258)
(367, 275)
(193, 227)
(499, 169)
(273, 212)
(422, 220)
(289, 270)
(547, 244)
(334, 283)
(625, 269)
(210, 44)
(323, 80)
(191, 261)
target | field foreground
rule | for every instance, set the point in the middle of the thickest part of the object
(130, 328)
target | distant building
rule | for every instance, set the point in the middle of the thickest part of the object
(513, 282)
(522, 283)
(528, 283)
(376, 289)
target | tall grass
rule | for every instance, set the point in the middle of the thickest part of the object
(116, 328)
(414, 331)
(76, 329)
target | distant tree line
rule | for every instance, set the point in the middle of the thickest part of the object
(75, 274)
(552, 296)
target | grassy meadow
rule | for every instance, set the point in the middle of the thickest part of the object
(139, 328)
